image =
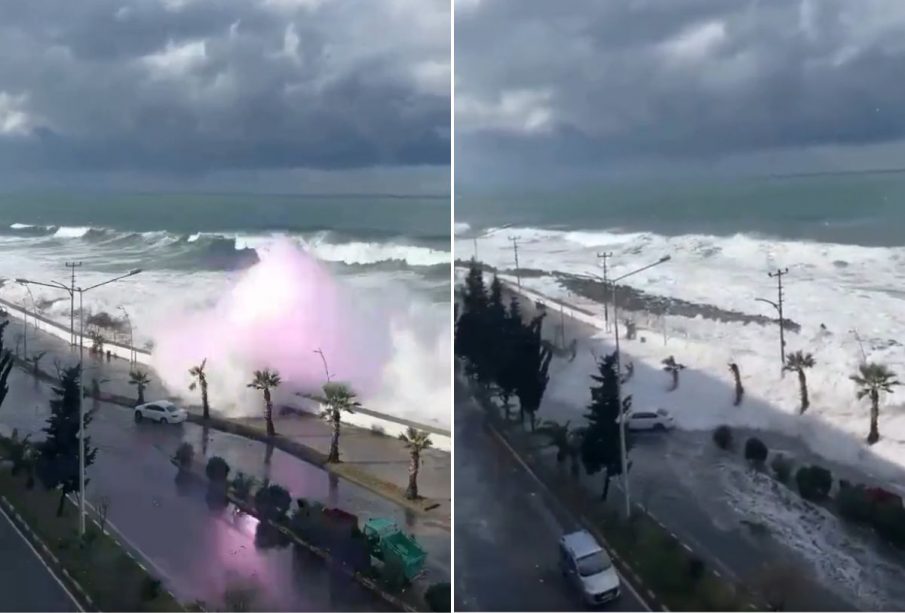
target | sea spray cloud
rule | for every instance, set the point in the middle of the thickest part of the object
(275, 316)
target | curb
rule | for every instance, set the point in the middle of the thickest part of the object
(296, 450)
(366, 582)
(626, 569)
(46, 553)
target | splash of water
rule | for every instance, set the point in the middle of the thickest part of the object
(278, 313)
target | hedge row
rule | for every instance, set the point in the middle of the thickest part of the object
(870, 506)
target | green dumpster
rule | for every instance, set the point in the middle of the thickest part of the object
(387, 542)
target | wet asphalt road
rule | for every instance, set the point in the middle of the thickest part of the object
(199, 553)
(25, 583)
(507, 529)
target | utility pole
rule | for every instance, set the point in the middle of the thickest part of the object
(518, 276)
(73, 266)
(602, 258)
(778, 275)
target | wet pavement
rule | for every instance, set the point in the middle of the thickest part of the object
(507, 529)
(26, 584)
(741, 520)
(198, 553)
(383, 457)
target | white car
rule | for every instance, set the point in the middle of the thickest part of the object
(588, 567)
(659, 420)
(162, 411)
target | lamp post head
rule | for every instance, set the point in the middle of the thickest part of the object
(134, 271)
(665, 258)
(22, 281)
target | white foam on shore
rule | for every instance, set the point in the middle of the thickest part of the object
(847, 288)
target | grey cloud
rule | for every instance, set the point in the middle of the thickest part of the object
(609, 83)
(204, 86)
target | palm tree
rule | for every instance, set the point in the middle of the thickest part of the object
(338, 397)
(737, 376)
(200, 379)
(559, 435)
(141, 380)
(872, 379)
(798, 362)
(266, 380)
(415, 441)
(672, 367)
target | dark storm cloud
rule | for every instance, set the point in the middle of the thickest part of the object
(191, 86)
(610, 82)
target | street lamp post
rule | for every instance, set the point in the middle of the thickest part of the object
(622, 445)
(131, 341)
(81, 292)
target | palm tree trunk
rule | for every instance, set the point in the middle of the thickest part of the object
(333, 456)
(206, 408)
(802, 381)
(874, 435)
(411, 491)
(268, 414)
(141, 394)
(675, 379)
(575, 466)
(606, 485)
(63, 493)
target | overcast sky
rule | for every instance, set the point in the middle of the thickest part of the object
(548, 90)
(284, 94)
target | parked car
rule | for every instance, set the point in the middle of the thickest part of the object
(659, 420)
(588, 568)
(162, 411)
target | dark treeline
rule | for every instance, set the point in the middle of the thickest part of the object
(499, 348)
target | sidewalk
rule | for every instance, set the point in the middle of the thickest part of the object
(375, 461)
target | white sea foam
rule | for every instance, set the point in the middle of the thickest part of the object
(415, 327)
(21, 226)
(71, 231)
(856, 292)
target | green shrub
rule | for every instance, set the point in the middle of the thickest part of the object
(814, 482)
(272, 502)
(184, 455)
(696, 569)
(242, 485)
(755, 450)
(150, 588)
(782, 467)
(889, 522)
(722, 436)
(853, 503)
(438, 597)
(217, 469)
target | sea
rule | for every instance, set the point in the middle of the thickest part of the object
(841, 237)
(364, 279)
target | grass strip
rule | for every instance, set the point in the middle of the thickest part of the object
(111, 577)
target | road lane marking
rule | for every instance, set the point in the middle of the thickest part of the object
(552, 496)
(53, 574)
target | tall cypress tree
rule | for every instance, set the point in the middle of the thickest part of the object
(600, 448)
(533, 357)
(58, 463)
(6, 364)
(509, 364)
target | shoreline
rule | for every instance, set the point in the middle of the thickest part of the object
(582, 325)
